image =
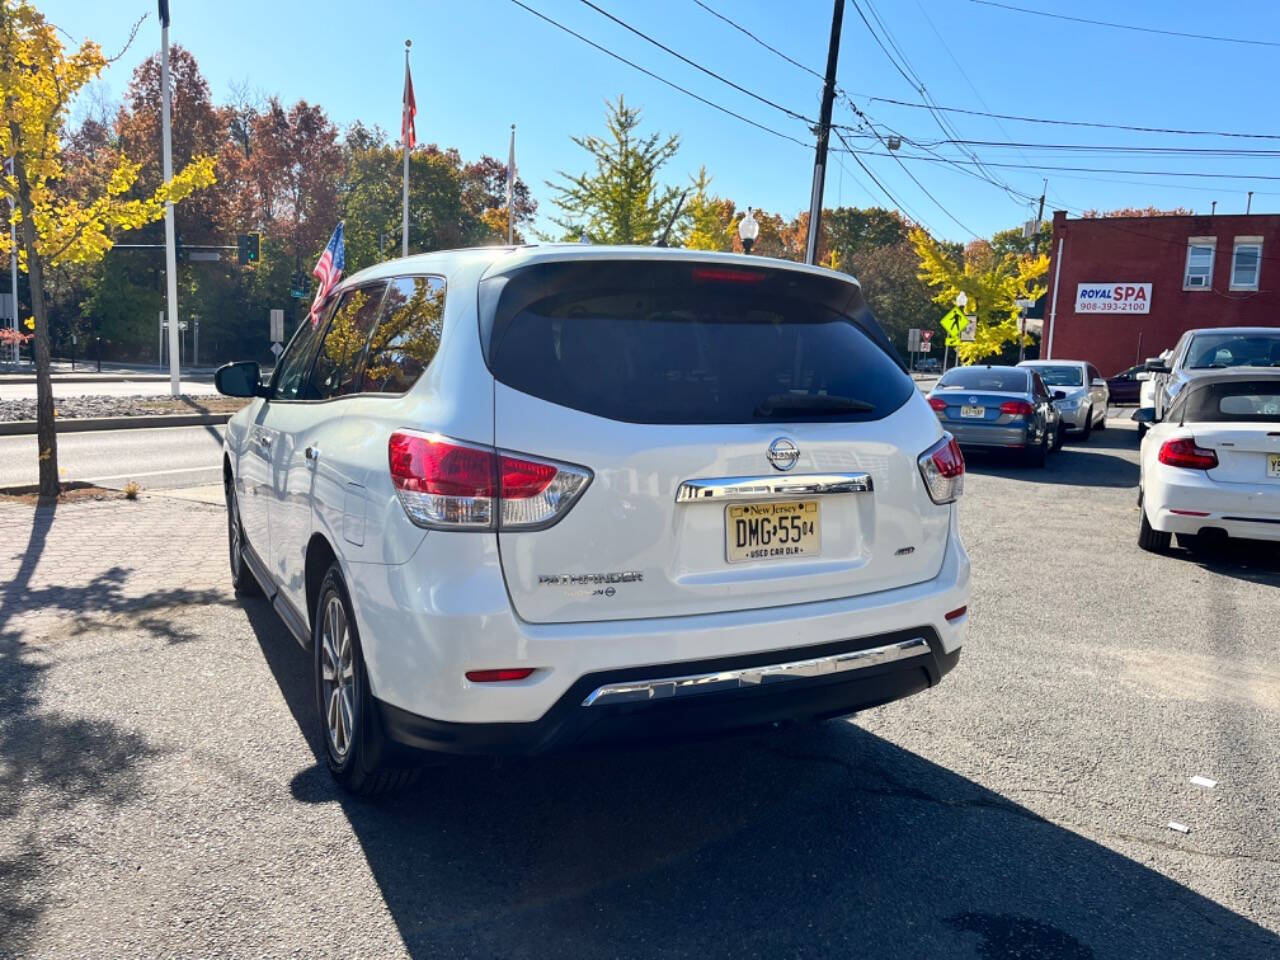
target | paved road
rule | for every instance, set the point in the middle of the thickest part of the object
(160, 792)
(107, 388)
(157, 458)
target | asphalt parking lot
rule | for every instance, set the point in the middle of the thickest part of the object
(160, 793)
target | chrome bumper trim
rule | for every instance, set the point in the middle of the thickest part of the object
(699, 683)
(757, 488)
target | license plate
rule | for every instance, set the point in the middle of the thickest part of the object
(1273, 465)
(976, 413)
(771, 531)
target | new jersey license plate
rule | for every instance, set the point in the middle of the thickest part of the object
(772, 531)
(1273, 465)
(976, 413)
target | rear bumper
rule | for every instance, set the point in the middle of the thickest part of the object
(978, 435)
(1187, 502)
(587, 715)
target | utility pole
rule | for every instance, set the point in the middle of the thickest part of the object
(824, 132)
(1035, 236)
(170, 244)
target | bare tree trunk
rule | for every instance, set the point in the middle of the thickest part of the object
(46, 435)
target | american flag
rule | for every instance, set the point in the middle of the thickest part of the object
(328, 271)
(408, 134)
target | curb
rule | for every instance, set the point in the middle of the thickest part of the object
(57, 378)
(14, 428)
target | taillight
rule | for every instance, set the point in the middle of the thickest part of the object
(1019, 408)
(942, 467)
(937, 403)
(1183, 452)
(455, 485)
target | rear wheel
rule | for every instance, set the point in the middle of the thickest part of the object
(357, 750)
(1057, 436)
(1157, 541)
(242, 579)
(1036, 455)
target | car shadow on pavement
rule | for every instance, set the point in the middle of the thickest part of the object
(1107, 459)
(1253, 560)
(814, 841)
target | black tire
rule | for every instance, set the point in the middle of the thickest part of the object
(242, 578)
(1155, 541)
(1058, 433)
(1102, 422)
(1037, 455)
(1088, 426)
(1142, 431)
(357, 751)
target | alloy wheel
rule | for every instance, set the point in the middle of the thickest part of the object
(337, 677)
(234, 534)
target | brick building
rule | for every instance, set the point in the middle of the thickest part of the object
(1123, 289)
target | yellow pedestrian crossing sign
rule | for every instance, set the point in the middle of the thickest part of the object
(952, 323)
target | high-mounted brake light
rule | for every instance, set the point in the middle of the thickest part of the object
(725, 275)
(942, 467)
(1019, 408)
(444, 483)
(937, 403)
(1183, 452)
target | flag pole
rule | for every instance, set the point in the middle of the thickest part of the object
(170, 250)
(511, 189)
(404, 220)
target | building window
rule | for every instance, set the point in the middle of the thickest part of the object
(1199, 275)
(1246, 263)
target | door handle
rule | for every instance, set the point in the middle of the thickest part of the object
(312, 453)
(264, 440)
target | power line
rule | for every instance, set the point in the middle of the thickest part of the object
(1076, 123)
(741, 29)
(660, 79)
(697, 66)
(1224, 152)
(883, 189)
(1128, 26)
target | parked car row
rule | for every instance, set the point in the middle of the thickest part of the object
(1025, 409)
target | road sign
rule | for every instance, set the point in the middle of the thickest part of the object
(926, 338)
(926, 346)
(277, 326)
(913, 339)
(277, 350)
(969, 332)
(952, 322)
(210, 255)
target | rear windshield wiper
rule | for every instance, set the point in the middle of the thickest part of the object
(811, 403)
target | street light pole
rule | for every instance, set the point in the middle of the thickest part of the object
(170, 244)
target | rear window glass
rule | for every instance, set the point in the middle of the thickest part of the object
(1248, 401)
(1063, 376)
(666, 342)
(985, 378)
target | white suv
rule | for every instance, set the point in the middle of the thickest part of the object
(517, 499)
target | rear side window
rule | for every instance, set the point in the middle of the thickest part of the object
(338, 361)
(671, 342)
(407, 337)
(1004, 380)
(1243, 401)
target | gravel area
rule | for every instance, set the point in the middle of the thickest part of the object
(160, 793)
(107, 406)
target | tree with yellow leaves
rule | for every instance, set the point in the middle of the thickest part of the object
(992, 283)
(38, 81)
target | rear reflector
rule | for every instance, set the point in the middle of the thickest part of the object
(499, 676)
(445, 483)
(937, 403)
(1019, 408)
(1190, 513)
(942, 467)
(957, 613)
(1183, 452)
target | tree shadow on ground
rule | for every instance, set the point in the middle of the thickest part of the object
(50, 760)
(815, 841)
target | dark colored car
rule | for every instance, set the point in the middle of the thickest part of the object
(1125, 385)
(1006, 408)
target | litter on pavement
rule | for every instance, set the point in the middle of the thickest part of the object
(1180, 827)
(1204, 782)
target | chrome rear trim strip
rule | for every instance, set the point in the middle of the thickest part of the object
(759, 488)
(698, 683)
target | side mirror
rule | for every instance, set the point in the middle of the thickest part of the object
(1144, 415)
(1059, 394)
(1143, 376)
(1099, 382)
(239, 380)
(1157, 365)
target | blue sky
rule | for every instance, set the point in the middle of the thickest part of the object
(481, 65)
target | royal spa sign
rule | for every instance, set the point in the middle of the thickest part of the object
(1113, 298)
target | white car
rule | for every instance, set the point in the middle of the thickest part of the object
(517, 499)
(1211, 469)
(1080, 394)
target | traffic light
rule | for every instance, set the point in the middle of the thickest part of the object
(247, 247)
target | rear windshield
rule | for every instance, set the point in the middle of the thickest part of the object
(663, 342)
(1245, 401)
(1219, 350)
(984, 378)
(1064, 376)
